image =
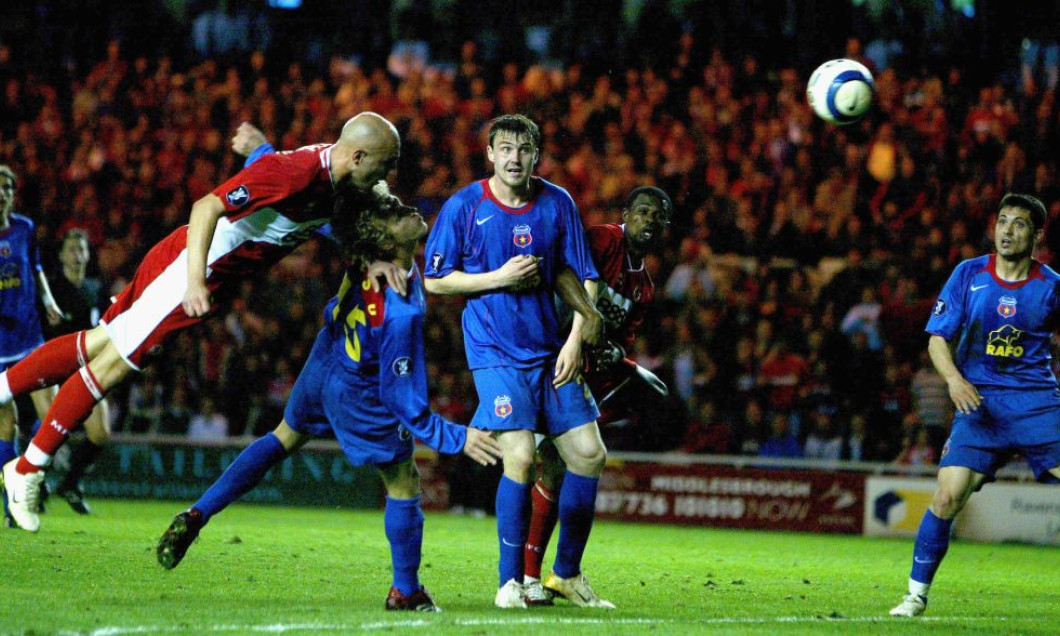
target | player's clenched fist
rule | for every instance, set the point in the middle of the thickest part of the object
(196, 301)
(247, 139)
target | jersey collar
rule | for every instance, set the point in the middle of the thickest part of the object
(535, 189)
(991, 268)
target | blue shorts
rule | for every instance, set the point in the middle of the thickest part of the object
(1008, 422)
(524, 399)
(330, 399)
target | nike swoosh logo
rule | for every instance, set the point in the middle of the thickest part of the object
(510, 545)
(481, 221)
(978, 287)
(919, 560)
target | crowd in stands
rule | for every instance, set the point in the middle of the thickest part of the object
(798, 274)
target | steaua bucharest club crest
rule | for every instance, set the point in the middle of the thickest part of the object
(5, 249)
(502, 406)
(1006, 306)
(522, 236)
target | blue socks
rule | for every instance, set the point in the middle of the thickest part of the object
(932, 541)
(7, 451)
(513, 523)
(577, 507)
(242, 476)
(403, 521)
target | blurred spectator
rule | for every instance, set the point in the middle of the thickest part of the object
(931, 396)
(707, 431)
(782, 442)
(824, 440)
(208, 424)
(917, 449)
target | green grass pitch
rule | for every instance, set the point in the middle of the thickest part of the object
(263, 569)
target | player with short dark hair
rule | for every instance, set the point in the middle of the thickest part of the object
(991, 332)
(502, 242)
(624, 293)
(22, 283)
(83, 300)
(366, 382)
(244, 226)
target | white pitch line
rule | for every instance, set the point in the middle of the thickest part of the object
(278, 628)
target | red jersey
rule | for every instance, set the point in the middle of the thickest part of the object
(271, 207)
(624, 292)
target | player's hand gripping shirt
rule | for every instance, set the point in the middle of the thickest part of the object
(1004, 328)
(475, 233)
(378, 336)
(20, 330)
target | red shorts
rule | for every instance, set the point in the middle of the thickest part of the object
(149, 309)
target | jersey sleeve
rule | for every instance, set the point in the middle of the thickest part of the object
(403, 383)
(575, 247)
(947, 317)
(34, 249)
(271, 178)
(444, 250)
(259, 152)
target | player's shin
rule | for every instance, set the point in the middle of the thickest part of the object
(403, 521)
(577, 507)
(513, 511)
(543, 517)
(242, 475)
(72, 406)
(48, 364)
(932, 542)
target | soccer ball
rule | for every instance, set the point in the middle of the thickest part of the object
(840, 91)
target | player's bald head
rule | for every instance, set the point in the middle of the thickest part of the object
(369, 131)
(368, 149)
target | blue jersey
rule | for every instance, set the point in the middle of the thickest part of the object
(475, 233)
(378, 338)
(20, 329)
(1004, 328)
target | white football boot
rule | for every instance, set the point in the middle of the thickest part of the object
(23, 495)
(510, 595)
(912, 605)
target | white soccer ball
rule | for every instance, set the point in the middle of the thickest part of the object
(840, 91)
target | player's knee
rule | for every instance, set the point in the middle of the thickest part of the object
(401, 481)
(8, 419)
(946, 504)
(518, 464)
(587, 459)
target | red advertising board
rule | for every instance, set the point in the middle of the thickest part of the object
(731, 497)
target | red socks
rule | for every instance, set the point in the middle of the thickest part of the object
(543, 516)
(72, 406)
(49, 364)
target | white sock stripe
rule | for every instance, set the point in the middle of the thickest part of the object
(36, 456)
(82, 353)
(90, 382)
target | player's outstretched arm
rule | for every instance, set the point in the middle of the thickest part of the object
(482, 447)
(963, 393)
(204, 216)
